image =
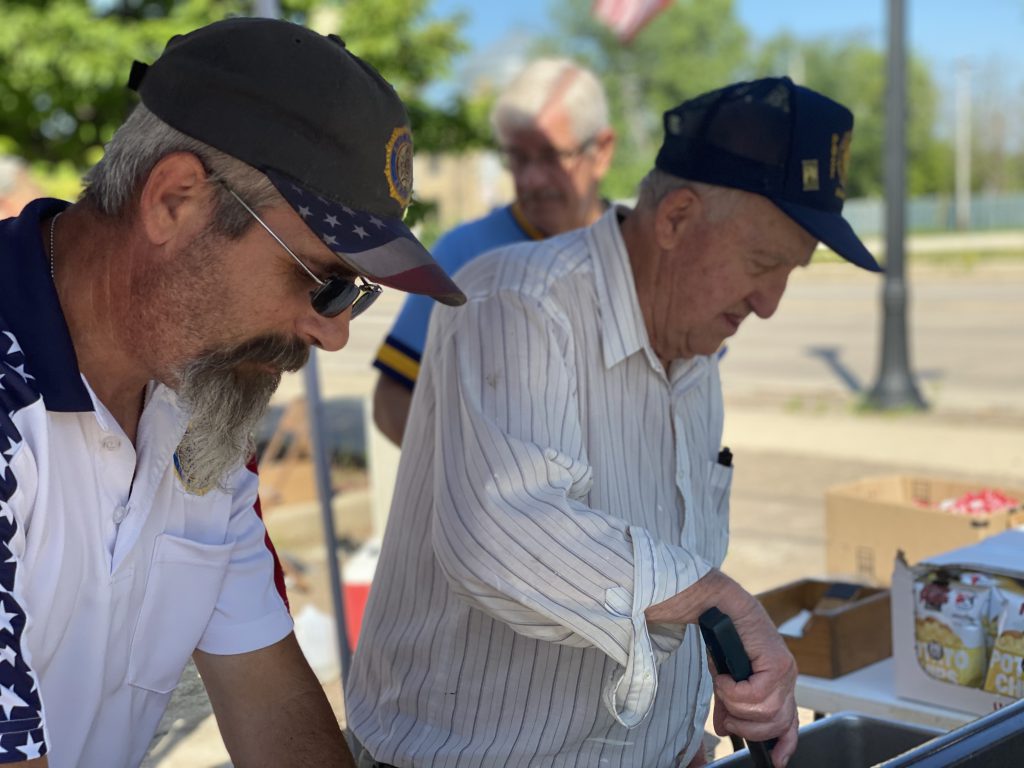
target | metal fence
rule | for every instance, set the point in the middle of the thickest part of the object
(937, 213)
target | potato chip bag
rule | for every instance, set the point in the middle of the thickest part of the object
(949, 635)
(990, 619)
(1006, 669)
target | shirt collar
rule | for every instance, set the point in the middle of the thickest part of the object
(516, 212)
(622, 323)
(30, 310)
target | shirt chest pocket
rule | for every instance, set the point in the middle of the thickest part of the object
(717, 486)
(184, 583)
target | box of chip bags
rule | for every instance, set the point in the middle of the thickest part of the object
(958, 625)
(949, 630)
(1006, 665)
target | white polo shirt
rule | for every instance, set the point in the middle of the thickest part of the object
(111, 573)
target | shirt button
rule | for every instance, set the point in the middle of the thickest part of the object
(120, 512)
(110, 443)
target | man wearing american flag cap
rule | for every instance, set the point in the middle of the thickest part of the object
(249, 208)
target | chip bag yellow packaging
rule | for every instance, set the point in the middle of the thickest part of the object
(990, 619)
(949, 635)
(1006, 669)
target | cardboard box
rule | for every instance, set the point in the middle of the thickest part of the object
(1002, 554)
(866, 522)
(837, 640)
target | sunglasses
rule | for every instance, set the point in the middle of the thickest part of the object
(332, 296)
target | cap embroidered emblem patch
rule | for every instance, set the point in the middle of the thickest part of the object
(810, 168)
(399, 165)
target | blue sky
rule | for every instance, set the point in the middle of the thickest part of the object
(988, 33)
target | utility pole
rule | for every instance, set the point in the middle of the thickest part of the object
(270, 9)
(963, 145)
(318, 441)
(895, 387)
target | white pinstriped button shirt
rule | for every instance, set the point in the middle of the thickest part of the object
(554, 483)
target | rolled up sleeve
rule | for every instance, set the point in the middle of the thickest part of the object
(512, 530)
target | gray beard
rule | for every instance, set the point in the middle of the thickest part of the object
(226, 395)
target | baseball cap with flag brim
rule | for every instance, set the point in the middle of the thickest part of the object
(379, 247)
(773, 138)
(329, 132)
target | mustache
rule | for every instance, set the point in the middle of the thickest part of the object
(540, 196)
(277, 352)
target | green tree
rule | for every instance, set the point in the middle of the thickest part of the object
(852, 72)
(64, 64)
(692, 47)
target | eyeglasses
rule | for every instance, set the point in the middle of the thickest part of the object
(516, 160)
(333, 295)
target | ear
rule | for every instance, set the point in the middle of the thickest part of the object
(604, 149)
(677, 212)
(175, 198)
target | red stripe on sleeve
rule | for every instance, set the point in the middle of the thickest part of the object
(278, 570)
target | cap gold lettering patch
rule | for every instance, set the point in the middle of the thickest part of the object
(843, 164)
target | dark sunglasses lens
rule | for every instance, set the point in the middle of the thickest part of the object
(365, 301)
(334, 297)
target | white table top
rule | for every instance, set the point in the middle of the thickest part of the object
(871, 691)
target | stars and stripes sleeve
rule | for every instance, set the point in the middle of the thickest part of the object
(252, 609)
(512, 529)
(22, 719)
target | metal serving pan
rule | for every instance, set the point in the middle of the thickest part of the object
(993, 741)
(846, 740)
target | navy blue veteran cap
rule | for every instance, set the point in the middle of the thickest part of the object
(777, 139)
(329, 132)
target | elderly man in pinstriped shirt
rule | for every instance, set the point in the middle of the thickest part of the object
(560, 515)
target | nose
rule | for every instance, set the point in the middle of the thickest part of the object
(533, 175)
(765, 299)
(328, 333)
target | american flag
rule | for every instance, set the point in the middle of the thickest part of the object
(627, 17)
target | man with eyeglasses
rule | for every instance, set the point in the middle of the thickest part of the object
(562, 505)
(553, 135)
(246, 210)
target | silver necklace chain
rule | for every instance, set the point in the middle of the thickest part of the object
(53, 224)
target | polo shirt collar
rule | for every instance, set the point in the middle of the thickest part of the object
(30, 310)
(622, 323)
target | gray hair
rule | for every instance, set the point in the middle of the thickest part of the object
(113, 184)
(719, 202)
(550, 81)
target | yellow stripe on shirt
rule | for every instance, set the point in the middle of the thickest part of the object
(524, 224)
(398, 361)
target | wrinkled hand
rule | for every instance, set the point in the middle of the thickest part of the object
(762, 707)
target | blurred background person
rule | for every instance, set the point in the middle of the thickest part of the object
(552, 129)
(17, 188)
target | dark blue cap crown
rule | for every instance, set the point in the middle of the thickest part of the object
(774, 138)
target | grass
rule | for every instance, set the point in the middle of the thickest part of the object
(966, 258)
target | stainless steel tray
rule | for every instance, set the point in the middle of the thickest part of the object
(846, 740)
(993, 741)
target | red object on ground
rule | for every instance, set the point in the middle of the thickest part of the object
(356, 578)
(983, 502)
(355, 605)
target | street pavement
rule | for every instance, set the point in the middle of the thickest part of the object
(794, 387)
